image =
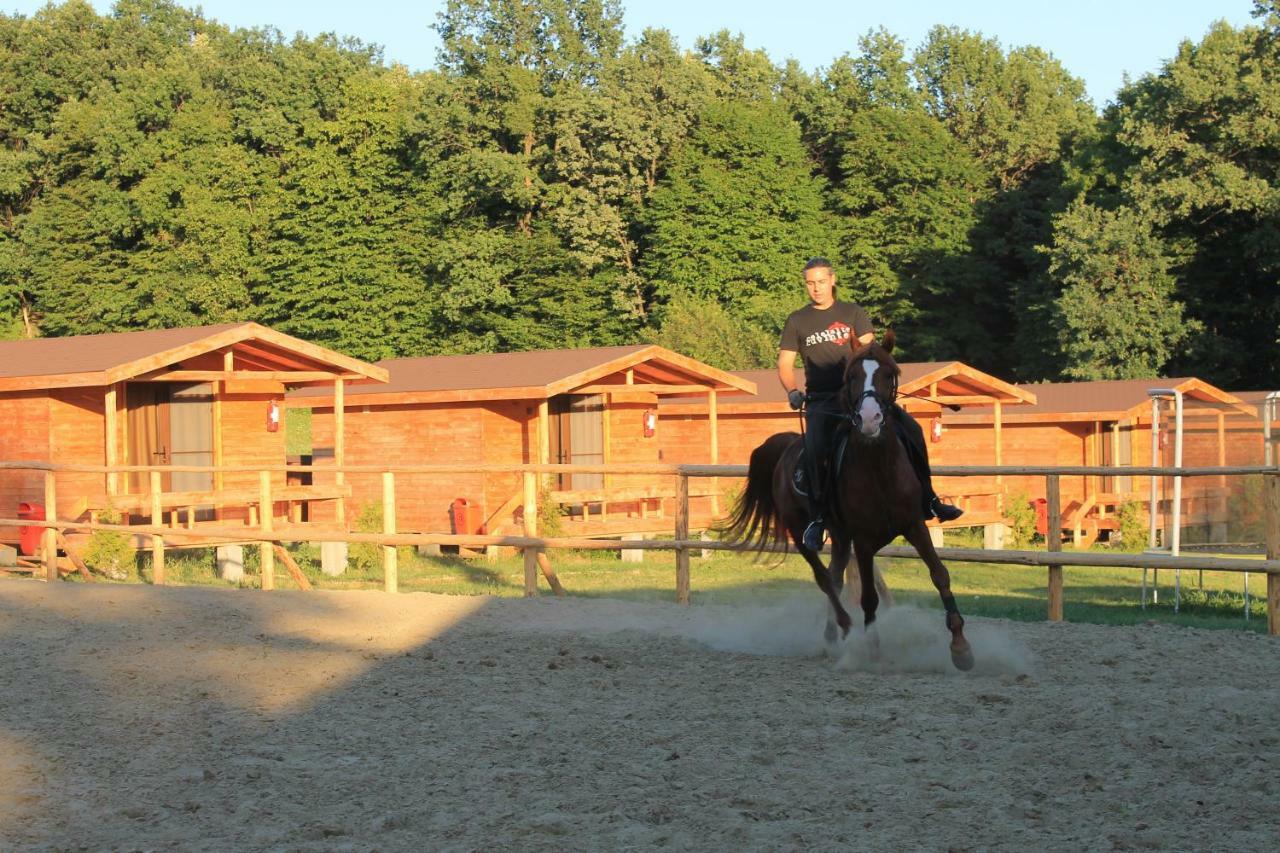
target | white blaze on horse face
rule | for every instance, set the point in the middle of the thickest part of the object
(869, 407)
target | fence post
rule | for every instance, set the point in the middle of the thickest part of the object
(265, 513)
(1271, 497)
(682, 534)
(50, 542)
(390, 567)
(157, 541)
(530, 529)
(1053, 539)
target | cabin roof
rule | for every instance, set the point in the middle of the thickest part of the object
(1114, 399)
(536, 374)
(955, 381)
(90, 360)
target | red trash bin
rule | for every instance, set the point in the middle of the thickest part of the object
(1041, 506)
(29, 537)
(465, 517)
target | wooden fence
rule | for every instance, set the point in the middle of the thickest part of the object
(534, 547)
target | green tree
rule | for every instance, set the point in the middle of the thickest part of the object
(738, 214)
(1197, 153)
(704, 330)
(1117, 318)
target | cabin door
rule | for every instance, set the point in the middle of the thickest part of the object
(170, 424)
(577, 438)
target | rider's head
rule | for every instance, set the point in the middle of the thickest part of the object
(820, 282)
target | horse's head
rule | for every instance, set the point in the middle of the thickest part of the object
(870, 386)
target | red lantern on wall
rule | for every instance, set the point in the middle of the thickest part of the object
(935, 430)
(273, 416)
(650, 422)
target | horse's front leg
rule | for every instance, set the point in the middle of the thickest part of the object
(823, 578)
(870, 598)
(839, 561)
(961, 652)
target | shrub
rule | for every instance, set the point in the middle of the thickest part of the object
(1022, 519)
(1133, 526)
(366, 557)
(109, 551)
(550, 515)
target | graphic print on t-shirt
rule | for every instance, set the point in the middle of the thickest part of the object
(837, 333)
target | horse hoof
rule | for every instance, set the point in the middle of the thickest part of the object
(962, 657)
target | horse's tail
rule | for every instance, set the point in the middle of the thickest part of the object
(755, 520)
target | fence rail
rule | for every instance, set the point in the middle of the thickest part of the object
(535, 547)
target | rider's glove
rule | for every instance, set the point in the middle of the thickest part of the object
(796, 398)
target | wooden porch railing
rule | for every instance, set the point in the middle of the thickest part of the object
(534, 546)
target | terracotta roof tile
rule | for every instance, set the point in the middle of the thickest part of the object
(1115, 395)
(770, 390)
(484, 371)
(92, 353)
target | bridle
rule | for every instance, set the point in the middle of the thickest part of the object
(855, 407)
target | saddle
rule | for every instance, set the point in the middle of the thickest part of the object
(800, 478)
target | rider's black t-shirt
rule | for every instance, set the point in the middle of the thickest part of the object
(823, 340)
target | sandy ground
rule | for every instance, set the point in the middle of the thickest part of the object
(134, 718)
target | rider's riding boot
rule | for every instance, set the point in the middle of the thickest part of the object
(943, 512)
(913, 441)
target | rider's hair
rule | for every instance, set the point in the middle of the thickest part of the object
(814, 263)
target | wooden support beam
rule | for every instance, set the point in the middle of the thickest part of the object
(530, 530)
(157, 541)
(50, 539)
(998, 420)
(544, 432)
(713, 422)
(243, 375)
(74, 558)
(112, 439)
(289, 563)
(1271, 500)
(267, 524)
(1053, 540)
(632, 388)
(340, 443)
(390, 567)
(682, 533)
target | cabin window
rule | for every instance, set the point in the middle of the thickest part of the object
(577, 438)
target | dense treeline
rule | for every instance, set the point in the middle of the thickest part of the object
(553, 184)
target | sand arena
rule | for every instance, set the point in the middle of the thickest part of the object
(137, 718)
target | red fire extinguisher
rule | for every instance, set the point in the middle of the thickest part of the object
(650, 423)
(273, 416)
(935, 430)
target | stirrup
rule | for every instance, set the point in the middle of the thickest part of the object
(814, 535)
(944, 512)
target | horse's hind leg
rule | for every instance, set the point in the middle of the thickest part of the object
(961, 653)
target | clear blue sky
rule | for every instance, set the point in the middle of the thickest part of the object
(1097, 40)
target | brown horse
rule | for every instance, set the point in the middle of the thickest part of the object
(874, 498)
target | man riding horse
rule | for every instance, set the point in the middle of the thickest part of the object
(824, 334)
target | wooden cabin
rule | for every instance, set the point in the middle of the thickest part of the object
(583, 406)
(207, 396)
(746, 420)
(1109, 423)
